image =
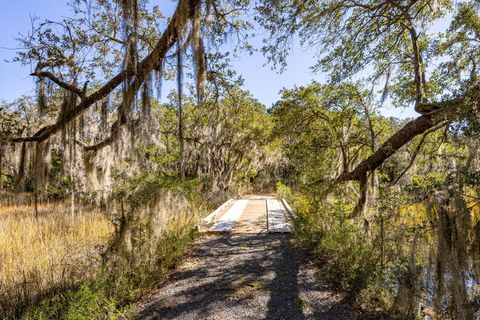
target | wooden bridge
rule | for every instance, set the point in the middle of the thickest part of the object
(250, 215)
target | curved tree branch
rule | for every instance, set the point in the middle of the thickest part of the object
(445, 111)
(417, 149)
(395, 142)
(59, 82)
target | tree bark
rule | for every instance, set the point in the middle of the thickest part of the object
(394, 143)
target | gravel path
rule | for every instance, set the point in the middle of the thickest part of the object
(246, 277)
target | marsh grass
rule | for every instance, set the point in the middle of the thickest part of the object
(93, 265)
(113, 292)
(154, 228)
(47, 254)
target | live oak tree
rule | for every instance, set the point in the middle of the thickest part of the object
(106, 62)
(388, 38)
(391, 38)
(99, 78)
(325, 122)
(429, 162)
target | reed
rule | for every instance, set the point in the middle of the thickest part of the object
(48, 253)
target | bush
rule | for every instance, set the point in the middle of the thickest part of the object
(154, 218)
(337, 242)
(282, 191)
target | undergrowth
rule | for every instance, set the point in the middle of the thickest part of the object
(154, 218)
(348, 259)
(52, 252)
(113, 292)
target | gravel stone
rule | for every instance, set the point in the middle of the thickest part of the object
(246, 277)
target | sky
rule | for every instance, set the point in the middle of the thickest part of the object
(260, 79)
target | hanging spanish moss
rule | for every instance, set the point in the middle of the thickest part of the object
(386, 87)
(72, 136)
(452, 276)
(64, 137)
(50, 85)
(407, 299)
(159, 79)
(146, 96)
(180, 107)
(130, 38)
(179, 75)
(68, 104)
(41, 96)
(199, 57)
(130, 12)
(104, 115)
(81, 127)
(131, 54)
(19, 184)
(42, 163)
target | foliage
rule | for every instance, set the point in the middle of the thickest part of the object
(390, 207)
(112, 293)
(389, 251)
(326, 229)
(282, 191)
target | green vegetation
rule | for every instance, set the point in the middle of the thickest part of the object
(114, 290)
(390, 208)
(406, 240)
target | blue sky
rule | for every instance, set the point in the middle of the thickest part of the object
(261, 80)
(15, 19)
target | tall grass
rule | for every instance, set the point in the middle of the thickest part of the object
(86, 266)
(42, 255)
(154, 219)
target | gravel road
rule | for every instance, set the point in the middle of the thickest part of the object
(246, 277)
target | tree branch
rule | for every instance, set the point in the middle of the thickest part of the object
(183, 13)
(413, 128)
(417, 149)
(64, 85)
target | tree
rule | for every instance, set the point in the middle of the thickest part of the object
(76, 63)
(389, 38)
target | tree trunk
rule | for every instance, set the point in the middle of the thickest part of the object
(181, 140)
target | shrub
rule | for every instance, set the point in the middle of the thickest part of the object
(324, 227)
(154, 218)
(114, 289)
(282, 191)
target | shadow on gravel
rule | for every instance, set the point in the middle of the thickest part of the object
(235, 277)
(285, 300)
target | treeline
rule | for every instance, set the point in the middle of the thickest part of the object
(411, 245)
(152, 189)
(223, 147)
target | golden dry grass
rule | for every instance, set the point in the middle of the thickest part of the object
(55, 251)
